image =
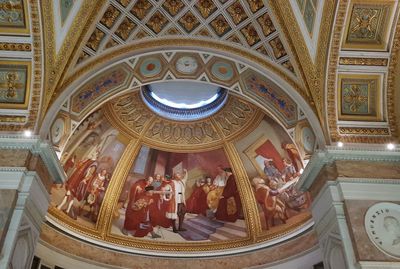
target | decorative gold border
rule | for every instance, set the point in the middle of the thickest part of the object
(313, 74)
(378, 97)
(387, 26)
(245, 129)
(10, 30)
(27, 88)
(363, 61)
(57, 63)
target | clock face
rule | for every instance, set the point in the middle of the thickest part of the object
(382, 223)
(187, 65)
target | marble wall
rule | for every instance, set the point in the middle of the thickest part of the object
(7, 204)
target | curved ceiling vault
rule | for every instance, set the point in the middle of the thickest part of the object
(320, 68)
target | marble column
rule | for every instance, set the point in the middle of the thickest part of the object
(28, 168)
(344, 183)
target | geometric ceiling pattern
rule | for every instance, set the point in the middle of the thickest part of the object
(359, 97)
(20, 65)
(243, 23)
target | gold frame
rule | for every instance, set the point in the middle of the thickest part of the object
(378, 97)
(9, 30)
(386, 26)
(28, 65)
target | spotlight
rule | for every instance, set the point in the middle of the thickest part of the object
(390, 146)
(27, 133)
(340, 144)
(301, 171)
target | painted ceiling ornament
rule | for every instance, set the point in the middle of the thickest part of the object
(237, 12)
(255, 5)
(355, 97)
(266, 24)
(222, 70)
(382, 224)
(250, 34)
(364, 24)
(206, 7)
(277, 47)
(189, 21)
(187, 65)
(157, 22)
(141, 8)
(110, 16)
(150, 67)
(220, 25)
(173, 6)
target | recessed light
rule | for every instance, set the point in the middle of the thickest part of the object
(27, 133)
(340, 144)
(390, 146)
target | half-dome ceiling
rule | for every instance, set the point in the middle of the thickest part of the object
(124, 163)
(184, 100)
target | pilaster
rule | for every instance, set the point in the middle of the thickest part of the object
(344, 184)
(28, 166)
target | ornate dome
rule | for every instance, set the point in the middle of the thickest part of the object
(124, 159)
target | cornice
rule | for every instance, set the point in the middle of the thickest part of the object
(37, 147)
(352, 152)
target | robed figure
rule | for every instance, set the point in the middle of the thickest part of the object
(197, 202)
(229, 205)
(132, 215)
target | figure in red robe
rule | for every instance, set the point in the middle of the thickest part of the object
(197, 202)
(76, 185)
(138, 215)
(229, 205)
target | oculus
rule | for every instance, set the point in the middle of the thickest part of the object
(184, 101)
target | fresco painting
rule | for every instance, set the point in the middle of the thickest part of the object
(89, 168)
(274, 165)
(178, 197)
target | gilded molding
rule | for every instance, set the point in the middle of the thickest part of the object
(312, 74)
(15, 46)
(11, 119)
(391, 81)
(14, 123)
(243, 182)
(363, 61)
(363, 131)
(116, 184)
(131, 117)
(332, 68)
(57, 63)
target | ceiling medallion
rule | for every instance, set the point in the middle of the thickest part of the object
(187, 65)
(222, 71)
(150, 67)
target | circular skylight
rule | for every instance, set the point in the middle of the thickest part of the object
(183, 100)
